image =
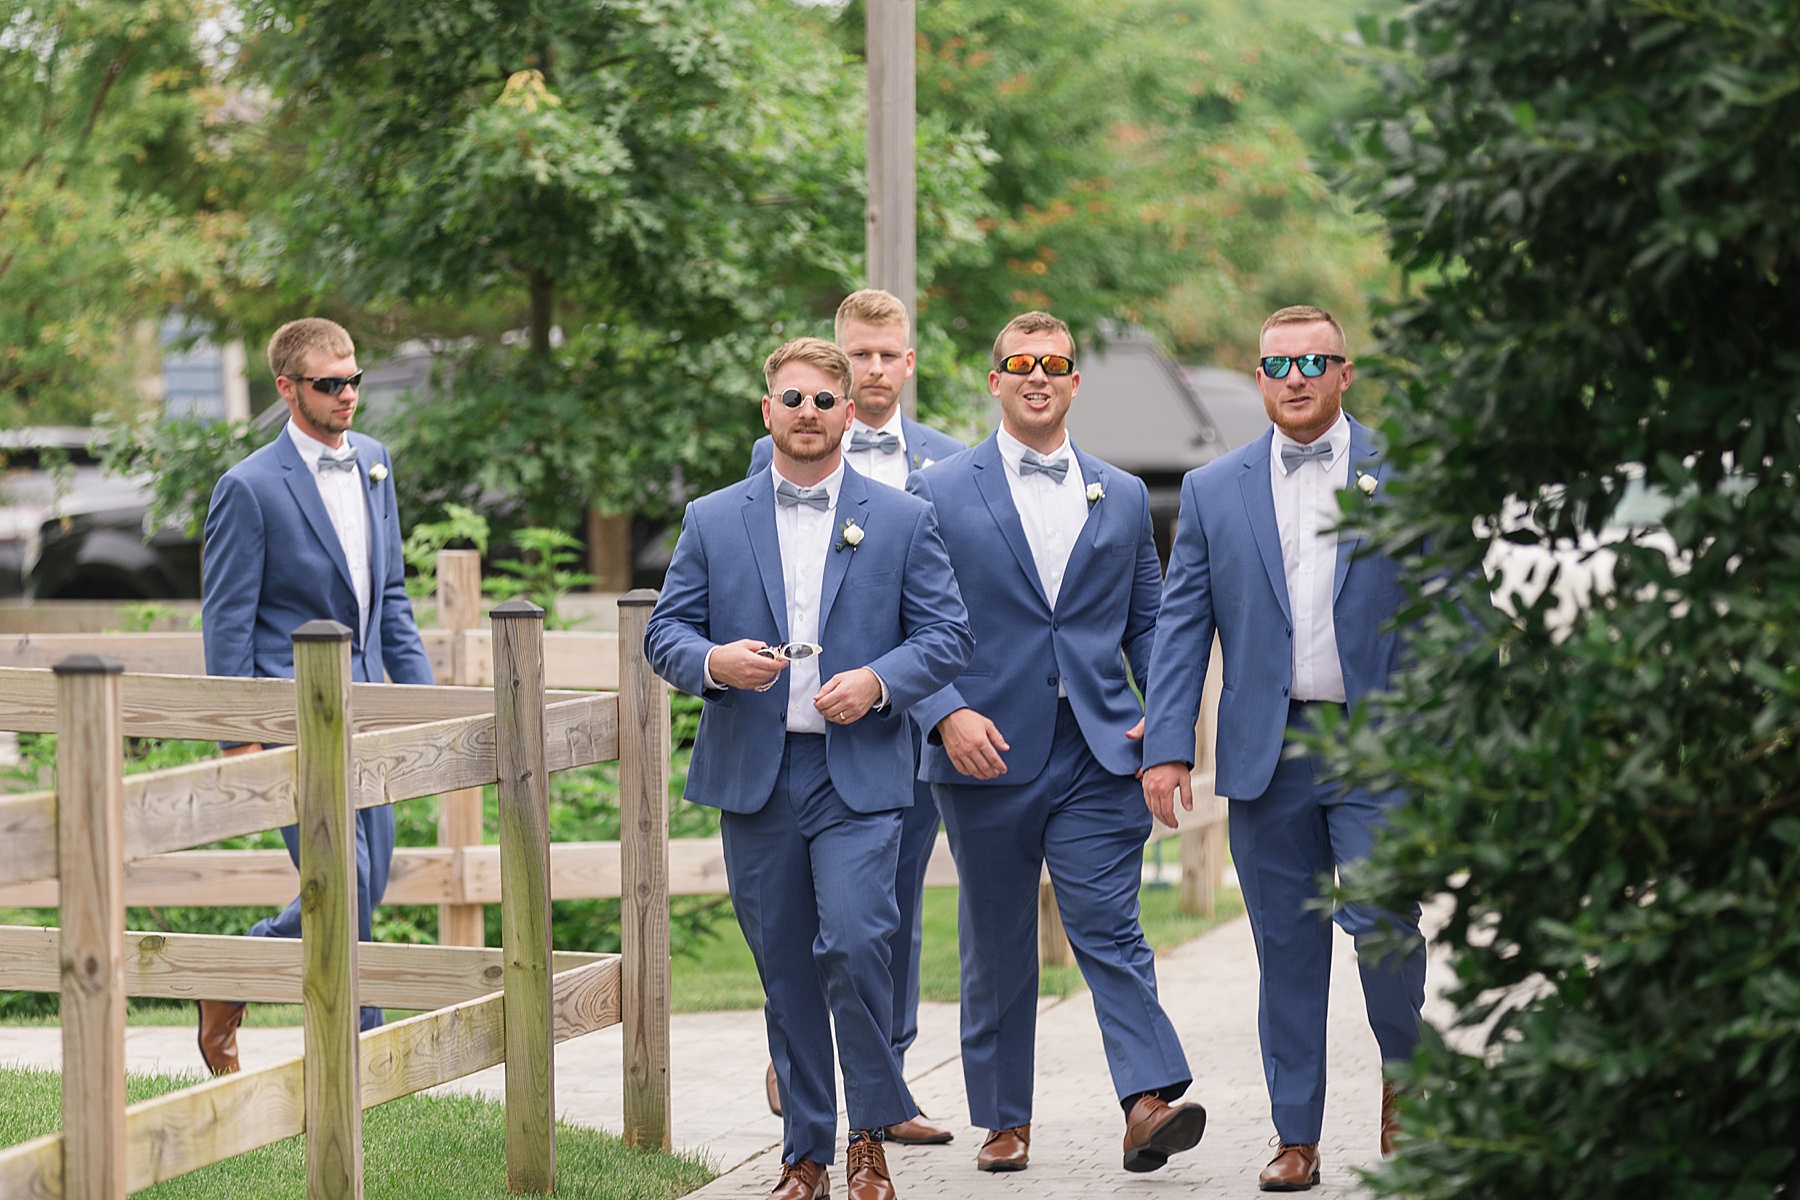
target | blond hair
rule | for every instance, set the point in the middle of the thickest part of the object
(1031, 322)
(872, 306)
(298, 341)
(816, 351)
(1305, 314)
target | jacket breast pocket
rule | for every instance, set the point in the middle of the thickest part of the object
(875, 579)
(1122, 549)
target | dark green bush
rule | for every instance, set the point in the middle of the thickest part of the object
(1594, 205)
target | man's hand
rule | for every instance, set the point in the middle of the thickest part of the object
(1161, 782)
(240, 751)
(738, 665)
(848, 695)
(973, 743)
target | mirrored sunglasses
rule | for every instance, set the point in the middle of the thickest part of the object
(1276, 366)
(330, 385)
(1022, 364)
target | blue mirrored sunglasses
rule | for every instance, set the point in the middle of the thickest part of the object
(1276, 366)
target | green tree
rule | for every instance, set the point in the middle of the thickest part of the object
(105, 210)
(1593, 205)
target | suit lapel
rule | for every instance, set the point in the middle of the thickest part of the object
(372, 505)
(765, 545)
(1259, 504)
(918, 443)
(1365, 459)
(306, 493)
(990, 481)
(852, 505)
(1092, 471)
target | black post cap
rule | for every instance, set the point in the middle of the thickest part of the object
(515, 608)
(322, 631)
(639, 598)
(89, 664)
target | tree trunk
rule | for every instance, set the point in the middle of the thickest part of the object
(543, 311)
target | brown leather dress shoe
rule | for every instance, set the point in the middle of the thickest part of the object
(1006, 1150)
(1294, 1168)
(804, 1180)
(772, 1086)
(219, 1021)
(866, 1171)
(919, 1132)
(1390, 1118)
(1156, 1129)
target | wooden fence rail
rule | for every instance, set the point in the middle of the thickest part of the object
(84, 836)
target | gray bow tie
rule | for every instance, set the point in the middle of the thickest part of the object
(818, 496)
(345, 460)
(869, 439)
(1292, 456)
(1034, 463)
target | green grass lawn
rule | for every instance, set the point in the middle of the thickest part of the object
(417, 1148)
(723, 976)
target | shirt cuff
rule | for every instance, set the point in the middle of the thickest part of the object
(882, 705)
(706, 677)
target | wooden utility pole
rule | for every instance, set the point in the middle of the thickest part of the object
(893, 193)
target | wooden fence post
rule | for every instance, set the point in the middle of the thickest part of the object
(1053, 939)
(90, 853)
(459, 812)
(328, 919)
(524, 786)
(644, 983)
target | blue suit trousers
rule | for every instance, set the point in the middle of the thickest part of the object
(812, 883)
(1283, 842)
(1089, 825)
(374, 855)
(918, 836)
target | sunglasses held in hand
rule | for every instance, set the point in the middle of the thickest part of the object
(1276, 366)
(330, 385)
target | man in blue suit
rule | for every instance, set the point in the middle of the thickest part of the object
(305, 529)
(886, 445)
(1032, 751)
(803, 743)
(1303, 624)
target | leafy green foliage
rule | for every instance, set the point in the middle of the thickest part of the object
(1601, 265)
(181, 458)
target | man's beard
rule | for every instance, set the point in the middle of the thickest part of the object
(785, 442)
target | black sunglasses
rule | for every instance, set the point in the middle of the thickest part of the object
(1023, 364)
(823, 401)
(1276, 366)
(330, 385)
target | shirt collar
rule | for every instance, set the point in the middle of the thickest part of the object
(1012, 449)
(834, 482)
(893, 426)
(1337, 437)
(311, 448)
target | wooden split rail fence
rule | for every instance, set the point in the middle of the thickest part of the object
(462, 874)
(354, 746)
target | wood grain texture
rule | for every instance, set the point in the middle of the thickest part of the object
(524, 788)
(459, 811)
(191, 966)
(150, 653)
(186, 1130)
(90, 765)
(572, 659)
(644, 881)
(327, 836)
(27, 837)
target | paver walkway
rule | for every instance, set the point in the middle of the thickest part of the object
(1208, 987)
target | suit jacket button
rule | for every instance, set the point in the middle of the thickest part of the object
(1284, 691)
(1051, 681)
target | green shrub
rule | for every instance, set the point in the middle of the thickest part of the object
(1594, 205)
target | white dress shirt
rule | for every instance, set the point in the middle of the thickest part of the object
(891, 469)
(1052, 513)
(347, 504)
(1306, 512)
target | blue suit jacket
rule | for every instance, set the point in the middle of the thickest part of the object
(923, 445)
(1105, 614)
(1226, 574)
(901, 614)
(273, 562)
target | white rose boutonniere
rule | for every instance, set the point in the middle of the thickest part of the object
(378, 472)
(1096, 492)
(1366, 483)
(849, 534)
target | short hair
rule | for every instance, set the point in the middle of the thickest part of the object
(1305, 314)
(1031, 322)
(872, 306)
(816, 351)
(297, 341)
